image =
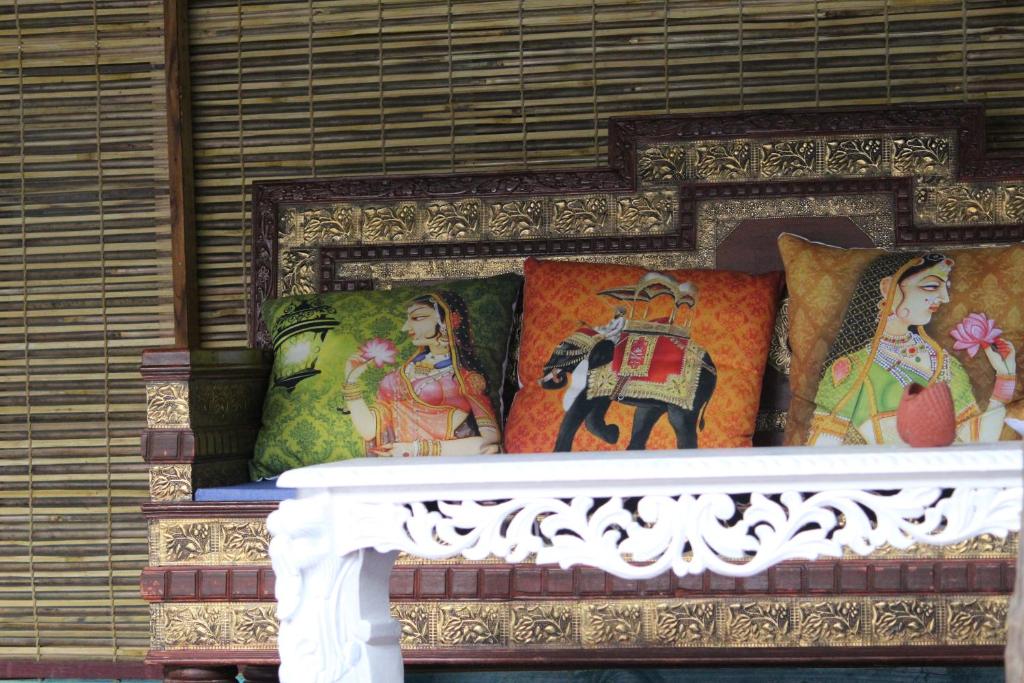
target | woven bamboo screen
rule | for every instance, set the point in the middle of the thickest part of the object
(340, 87)
(84, 287)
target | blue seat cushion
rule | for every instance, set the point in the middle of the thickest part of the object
(265, 489)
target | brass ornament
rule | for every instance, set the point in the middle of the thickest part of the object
(612, 623)
(830, 622)
(167, 405)
(453, 221)
(687, 623)
(542, 624)
(245, 542)
(722, 161)
(1012, 202)
(472, 624)
(780, 356)
(646, 214)
(170, 482)
(906, 620)
(389, 223)
(214, 626)
(921, 156)
(580, 216)
(959, 204)
(759, 622)
(855, 157)
(313, 225)
(185, 543)
(415, 624)
(298, 272)
(662, 164)
(253, 626)
(977, 620)
(516, 219)
(789, 159)
(208, 542)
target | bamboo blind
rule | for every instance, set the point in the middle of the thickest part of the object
(84, 287)
(342, 87)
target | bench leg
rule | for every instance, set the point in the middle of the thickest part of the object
(200, 674)
(259, 674)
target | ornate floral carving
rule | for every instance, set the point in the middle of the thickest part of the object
(788, 159)
(580, 216)
(298, 272)
(541, 624)
(920, 156)
(170, 482)
(959, 204)
(828, 621)
(192, 626)
(762, 623)
(245, 541)
(516, 219)
(389, 223)
(167, 405)
(662, 164)
(612, 623)
(415, 623)
(904, 620)
(471, 625)
(722, 160)
(1013, 203)
(779, 354)
(256, 625)
(185, 542)
(647, 213)
(856, 157)
(335, 224)
(686, 623)
(984, 545)
(977, 620)
(448, 221)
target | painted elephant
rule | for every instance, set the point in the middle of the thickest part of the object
(677, 381)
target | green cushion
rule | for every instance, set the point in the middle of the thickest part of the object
(374, 373)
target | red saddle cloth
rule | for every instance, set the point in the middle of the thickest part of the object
(649, 356)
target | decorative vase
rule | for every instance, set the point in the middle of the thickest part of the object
(925, 416)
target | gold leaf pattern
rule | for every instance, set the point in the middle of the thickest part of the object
(904, 620)
(298, 274)
(170, 482)
(415, 623)
(827, 621)
(920, 156)
(662, 163)
(984, 545)
(542, 624)
(184, 542)
(779, 354)
(618, 623)
(962, 204)
(447, 221)
(762, 623)
(192, 626)
(580, 216)
(338, 223)
(516, 219)
(722, 160)
(254, 625)
(648, 213)
(389, 224)
(856, 157)
(471, 625)
(245, 541)
(978, 620)
(167, 405)
(788, 159)
(1013, 203)
(687, 623)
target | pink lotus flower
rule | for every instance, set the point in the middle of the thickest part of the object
(380, 351)
(976, 331)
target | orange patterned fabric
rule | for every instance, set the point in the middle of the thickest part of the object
(963, 325)
(648, 356)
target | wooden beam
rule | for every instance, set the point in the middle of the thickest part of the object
(182, 195)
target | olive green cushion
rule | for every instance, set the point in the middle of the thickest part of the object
(306, 418)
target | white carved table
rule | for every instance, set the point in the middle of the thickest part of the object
(635, 515)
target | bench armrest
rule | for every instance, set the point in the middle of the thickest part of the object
(202, 415)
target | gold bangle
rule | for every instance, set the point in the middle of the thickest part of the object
(351, 392)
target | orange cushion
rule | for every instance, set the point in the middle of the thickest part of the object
(645, 357)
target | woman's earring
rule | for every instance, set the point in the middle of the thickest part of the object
(904, 312)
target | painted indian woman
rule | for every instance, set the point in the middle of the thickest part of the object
(436, 402)
(883, 347)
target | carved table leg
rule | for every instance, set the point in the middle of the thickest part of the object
(199, 674)
(259, 674)
(332, 601)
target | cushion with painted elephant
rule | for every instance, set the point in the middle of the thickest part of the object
(406, 372)
(617, 357)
